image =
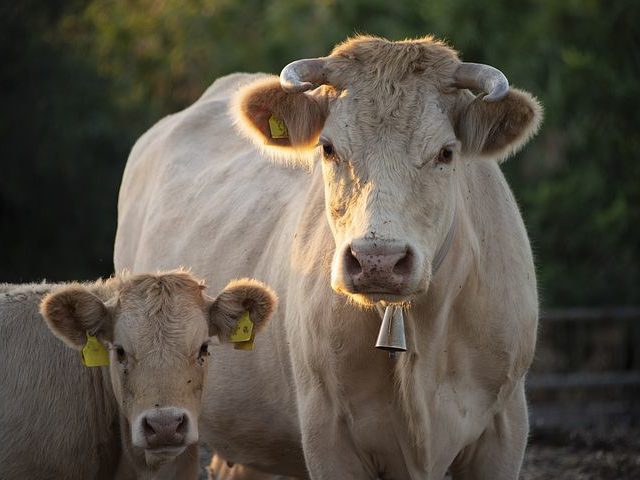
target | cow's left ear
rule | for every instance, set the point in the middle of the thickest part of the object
(73, 311)
(284, 125)
(238, 297)
(497, 129)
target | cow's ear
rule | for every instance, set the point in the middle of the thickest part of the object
(238, 297)
(497, 129)
(284, 125)
(73, 311)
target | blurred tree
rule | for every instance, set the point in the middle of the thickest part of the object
(88, 77)
(63, 150)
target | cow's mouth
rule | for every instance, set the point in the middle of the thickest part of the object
(370, 299)
(156, 457)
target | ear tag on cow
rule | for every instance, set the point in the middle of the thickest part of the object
(278, 128)
(94, 354)
(243, 330)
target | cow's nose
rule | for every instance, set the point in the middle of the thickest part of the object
(165, 427)
(378, 267)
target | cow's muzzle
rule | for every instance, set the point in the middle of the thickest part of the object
(371, 267)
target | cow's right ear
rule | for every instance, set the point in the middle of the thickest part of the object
(284, 125)
(73, 311)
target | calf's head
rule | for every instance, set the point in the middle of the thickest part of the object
(158, 331)
(393, 124)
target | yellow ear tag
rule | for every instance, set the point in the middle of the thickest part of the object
(243, 335)
(248, 345)
(278, 128)
(243, 330)
(94, 354)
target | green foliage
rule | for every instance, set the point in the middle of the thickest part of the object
(86, 78)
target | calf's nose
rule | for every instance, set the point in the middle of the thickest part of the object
(165, 427)
(378, 267)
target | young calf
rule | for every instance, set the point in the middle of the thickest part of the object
(138, 417)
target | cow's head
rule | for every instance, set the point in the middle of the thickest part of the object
(158, 330)
(394, 124)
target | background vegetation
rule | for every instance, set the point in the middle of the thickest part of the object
(81, 80)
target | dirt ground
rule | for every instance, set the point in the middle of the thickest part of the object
(583, 454)
(580, 454)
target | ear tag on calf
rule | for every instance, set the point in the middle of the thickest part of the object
(248, 345)
(278, 128)
(243, 330)
(93, 353)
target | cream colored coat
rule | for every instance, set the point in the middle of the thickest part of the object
(315, 398)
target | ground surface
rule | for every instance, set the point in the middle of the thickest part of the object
(606, 452)
(583, 455)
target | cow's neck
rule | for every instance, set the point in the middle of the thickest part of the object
(428, 331)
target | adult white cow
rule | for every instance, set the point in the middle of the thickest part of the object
(400, 179)
(136, 418)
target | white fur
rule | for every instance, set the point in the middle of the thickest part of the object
(315, 396)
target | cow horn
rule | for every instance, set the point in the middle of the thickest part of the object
(486, 78)
(303, 75)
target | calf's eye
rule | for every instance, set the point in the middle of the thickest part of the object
(121, 354)
(445, 155)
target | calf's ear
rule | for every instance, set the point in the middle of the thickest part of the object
(497, 129)
(72, 311)
(238, 297)
(284, 125)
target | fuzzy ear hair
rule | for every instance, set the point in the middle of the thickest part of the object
(239, 296)
(498, 129)
(73, 311)
(285, 126)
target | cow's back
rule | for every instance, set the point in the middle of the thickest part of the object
(52, 409)
(193, 175)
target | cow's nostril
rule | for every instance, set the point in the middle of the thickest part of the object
(404, 266)
(351, 263)
(183, 425)
(148, 429)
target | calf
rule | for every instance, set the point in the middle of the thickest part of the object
(138, 417)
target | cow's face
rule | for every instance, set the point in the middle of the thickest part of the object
(393, 130)
(158, 330)
(388, 171)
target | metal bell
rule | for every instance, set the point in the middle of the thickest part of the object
(391, 336)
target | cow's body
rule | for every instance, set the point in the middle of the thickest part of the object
(315, 389)
(58, 419)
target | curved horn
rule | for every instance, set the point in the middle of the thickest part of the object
(303, 75)
(482, 77)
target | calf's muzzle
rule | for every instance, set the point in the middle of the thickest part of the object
(165, 427)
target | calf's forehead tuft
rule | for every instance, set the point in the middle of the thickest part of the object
(161, 290)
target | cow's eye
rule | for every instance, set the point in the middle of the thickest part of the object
(328, 152)
(445, 155)
(120, 353)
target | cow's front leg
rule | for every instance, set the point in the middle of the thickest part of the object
(498, 453)
(329, 449)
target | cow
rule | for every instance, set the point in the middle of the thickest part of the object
(364, 180)
(137, 418)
